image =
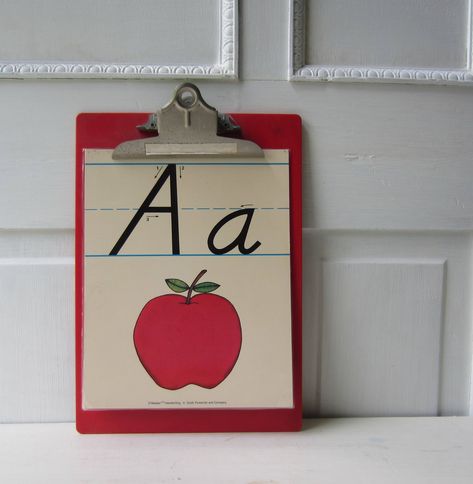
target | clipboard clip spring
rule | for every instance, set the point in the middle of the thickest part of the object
(188, 126)
(225, 125)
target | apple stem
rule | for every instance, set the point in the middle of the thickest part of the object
(194, 282)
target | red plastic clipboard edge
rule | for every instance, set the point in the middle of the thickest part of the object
(270, 131)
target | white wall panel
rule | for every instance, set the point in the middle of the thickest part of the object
(118, 38)
(380, 33)
(36, 330)
(20, 245)
(375, 157)
(387, 198)
(381, 326)
(263, 45)
(387, 323)
(36, 326)
(373, 40)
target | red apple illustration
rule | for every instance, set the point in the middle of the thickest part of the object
(182, 340)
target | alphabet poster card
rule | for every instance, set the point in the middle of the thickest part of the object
(185, 302)
(187, 283)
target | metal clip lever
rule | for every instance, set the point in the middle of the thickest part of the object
(225, 125)
(187, 125)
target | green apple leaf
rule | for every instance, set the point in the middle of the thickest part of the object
(206, 287)
(177, 285)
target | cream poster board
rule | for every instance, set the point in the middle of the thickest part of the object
(187, 297)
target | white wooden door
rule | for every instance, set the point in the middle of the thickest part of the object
(385, 92)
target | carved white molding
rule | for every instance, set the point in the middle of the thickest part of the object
(226, 68)
(300, 71)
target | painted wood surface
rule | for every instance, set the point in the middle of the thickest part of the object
(388, 217)
(119, 39)
(399, 34)
(421, 42)
(387, 450)
(394, 335)
(406, 309)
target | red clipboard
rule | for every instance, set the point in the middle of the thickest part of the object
(269, 131)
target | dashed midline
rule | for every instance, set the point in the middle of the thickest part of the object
(234, 208)
(107, 209)
(121, 209)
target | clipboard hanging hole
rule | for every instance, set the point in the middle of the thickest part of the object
(187, 97)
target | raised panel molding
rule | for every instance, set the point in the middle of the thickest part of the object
(36, 325)
(368, 293)
(225, 68)
(381, 336)
(299, 70)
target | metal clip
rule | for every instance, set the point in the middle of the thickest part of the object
(225, 125)
(188, 126)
